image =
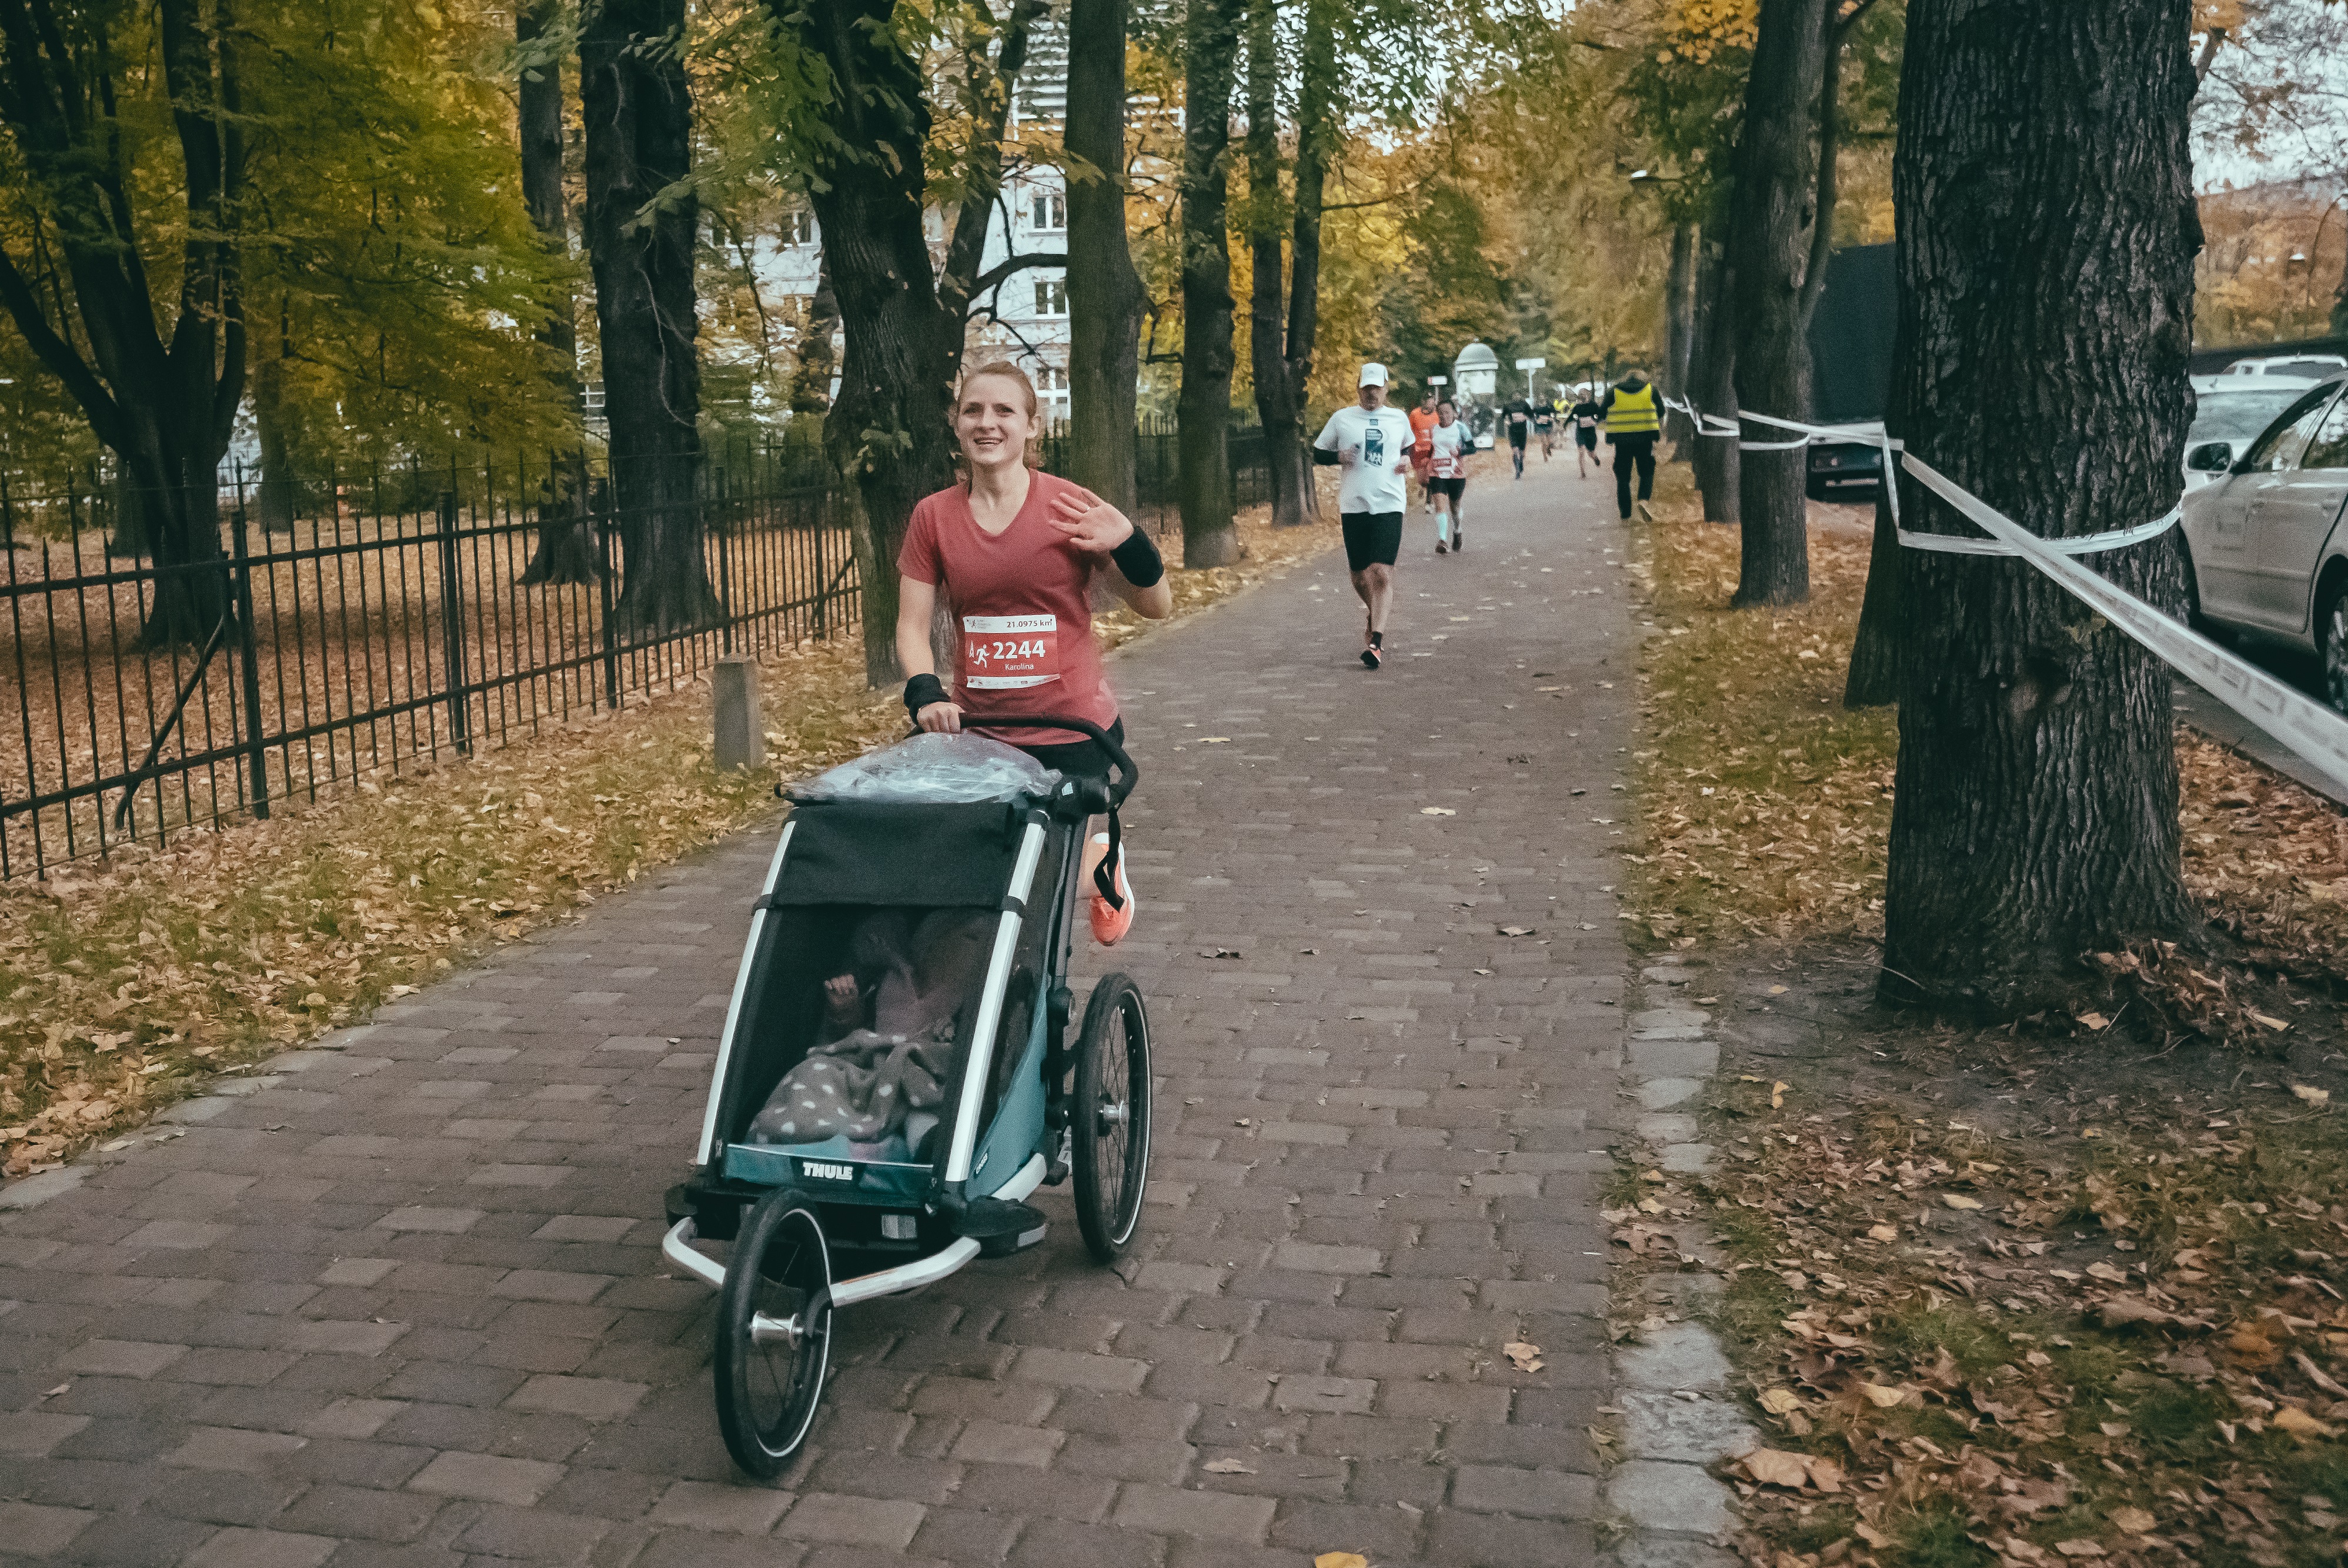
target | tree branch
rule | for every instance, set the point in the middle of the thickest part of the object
(2208, 53)
(993, 277)
(983, 165)
(58, 356)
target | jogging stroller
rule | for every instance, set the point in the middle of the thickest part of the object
(893, 1081)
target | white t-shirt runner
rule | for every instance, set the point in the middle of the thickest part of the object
(1380, 440)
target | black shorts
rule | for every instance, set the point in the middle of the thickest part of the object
(1075, 759)
(1517, 434)
(1586, 436)
(1455, 486)
(1372, 538)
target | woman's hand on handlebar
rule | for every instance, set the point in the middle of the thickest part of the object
(940, 719)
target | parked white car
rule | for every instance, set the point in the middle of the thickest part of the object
(2264, 545)
(2228, 418)
(2306, 366)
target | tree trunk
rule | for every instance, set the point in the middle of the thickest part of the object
(1105, 293)
(565, 552)
(1315, 137)
(2046, 231)
(632, 86)
(1275, 395)
(161, 388)
(1679, 335)
(1712, 375)
(1874, 678)
(274, 499)
(1210, 36)
(1773, 210)
(888, 434)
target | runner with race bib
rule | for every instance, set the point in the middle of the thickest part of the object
(1015, 552)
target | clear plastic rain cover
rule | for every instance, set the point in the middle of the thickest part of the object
(933, 770)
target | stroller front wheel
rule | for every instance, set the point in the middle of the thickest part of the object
(774, 1334)
(1109, 1121)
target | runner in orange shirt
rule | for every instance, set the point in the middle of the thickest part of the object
(1422, 449)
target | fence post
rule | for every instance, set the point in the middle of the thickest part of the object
(248, 660)
(452, 626)
(610, 617)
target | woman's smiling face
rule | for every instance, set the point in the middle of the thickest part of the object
(992, 421)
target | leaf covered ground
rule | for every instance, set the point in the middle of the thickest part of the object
(2070, 1290)
(130, 983)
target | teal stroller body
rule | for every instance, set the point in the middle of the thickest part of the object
(843, 1170)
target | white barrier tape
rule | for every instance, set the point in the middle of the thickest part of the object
(1871, 433)
(2086, 545)
(2305, 725)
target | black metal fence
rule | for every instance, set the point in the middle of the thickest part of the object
(364, 621)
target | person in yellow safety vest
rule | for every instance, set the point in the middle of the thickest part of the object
(1633, 419)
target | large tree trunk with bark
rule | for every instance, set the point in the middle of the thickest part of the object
(1713, 376)
(1873, 681)
(890, 432)
(639, 116)
(1679, 335)
(566, 549)
(163, 401)
(1772, 212)
(1278, 407)
(2045, 197)
(1105, 293)
(1211, 42)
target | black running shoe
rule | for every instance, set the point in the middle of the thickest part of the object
(1372, 658)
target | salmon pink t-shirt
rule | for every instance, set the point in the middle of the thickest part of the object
(1022, 622)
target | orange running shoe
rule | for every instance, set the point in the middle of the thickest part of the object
(1110, 926)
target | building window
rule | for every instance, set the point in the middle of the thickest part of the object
(1048, 210)
(1051, 378)
(799, 226)
(1051, 297)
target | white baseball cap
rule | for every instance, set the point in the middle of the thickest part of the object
(1372, 374)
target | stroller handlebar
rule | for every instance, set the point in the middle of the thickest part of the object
(1128, 775)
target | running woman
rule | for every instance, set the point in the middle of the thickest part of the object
(1422, 420)
(1451, 443)
(1373, 444)
(1585, 416)
(1015, 553)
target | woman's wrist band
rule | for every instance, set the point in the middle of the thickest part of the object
(1138, 560)
(920, 692)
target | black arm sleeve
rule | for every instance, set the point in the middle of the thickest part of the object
(1324, 459)
(1138, 560)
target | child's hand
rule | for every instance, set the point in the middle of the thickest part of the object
(841, 999)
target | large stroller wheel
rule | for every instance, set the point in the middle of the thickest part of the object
(774, 1334)
(1110, 1117)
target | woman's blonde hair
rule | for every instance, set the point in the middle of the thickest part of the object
(1009, 372)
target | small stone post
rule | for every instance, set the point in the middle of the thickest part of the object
(741, 735)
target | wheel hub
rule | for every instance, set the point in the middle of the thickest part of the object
(766, 1329)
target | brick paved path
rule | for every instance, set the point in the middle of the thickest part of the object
(400, 1303)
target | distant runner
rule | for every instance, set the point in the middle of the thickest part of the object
(1422, 420)
(1451, 442)
(1373, 444)
(1585, 416)
(1518, 415)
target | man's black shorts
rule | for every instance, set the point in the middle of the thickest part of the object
(1586, 436)
(1519, 434)
(1372, 538)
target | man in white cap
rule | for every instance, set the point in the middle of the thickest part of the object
(1373, 444)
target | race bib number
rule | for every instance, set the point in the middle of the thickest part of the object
(1005, 652)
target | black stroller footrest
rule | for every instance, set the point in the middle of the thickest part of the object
(999, 1226)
